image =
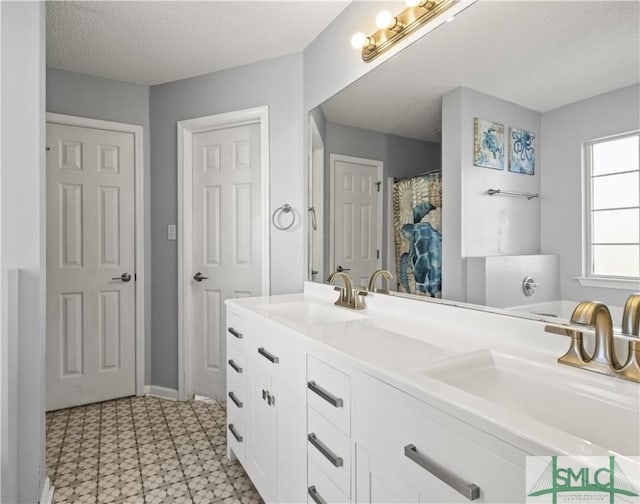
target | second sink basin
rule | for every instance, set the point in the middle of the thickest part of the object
(559, 397)
(310, 313)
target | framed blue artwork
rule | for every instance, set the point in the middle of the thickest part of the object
(522, 151)
(488, 144)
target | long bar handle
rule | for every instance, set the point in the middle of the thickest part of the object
(267, 355)
(235, 367)
(322, 448)
(336, 402)
(469, 490)
(315, 496)
(237, 334)
(235, 433)
(235, 399)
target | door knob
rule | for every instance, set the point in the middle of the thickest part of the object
(341, 269)
(125, 277)
(198, 277)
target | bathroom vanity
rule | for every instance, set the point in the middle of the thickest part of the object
(407, 401)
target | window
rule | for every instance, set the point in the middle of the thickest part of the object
(613, 207)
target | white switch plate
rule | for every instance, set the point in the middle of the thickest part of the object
(171, 232)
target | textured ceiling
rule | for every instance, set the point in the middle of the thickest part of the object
(155, 42)
(540, 55)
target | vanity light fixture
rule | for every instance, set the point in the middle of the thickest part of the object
(392, 29)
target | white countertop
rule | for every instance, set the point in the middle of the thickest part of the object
(404, 343)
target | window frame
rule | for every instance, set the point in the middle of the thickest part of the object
(588, 277)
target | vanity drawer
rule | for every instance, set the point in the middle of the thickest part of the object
(236, 371)
(394, 428)
(279, 351)
(236, 330)
(329, 393)
(236, 400)
(236, 433)
(330, 449)
(320, 485)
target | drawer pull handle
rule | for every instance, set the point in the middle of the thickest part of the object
(336, 402)
(235, 333)
(315, 496)
(235, 399)
(469, 490)
(322, 448)
(267, 355)
(235, 367)
(233, 431)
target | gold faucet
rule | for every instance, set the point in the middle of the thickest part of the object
(603, 359)
(349, 297)
(631, 327)
(596, 315)
(374, 277)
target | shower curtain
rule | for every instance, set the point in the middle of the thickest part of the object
(417, 218)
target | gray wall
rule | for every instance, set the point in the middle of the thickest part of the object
(320, 120)
(401, 157)
(110, 100)
(22, 424)
(276, 83)
(565, 129)
(473, 223)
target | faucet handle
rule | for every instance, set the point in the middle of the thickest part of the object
(563, 331)
(342, 291)
(358, 293)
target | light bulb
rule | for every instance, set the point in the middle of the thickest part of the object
(385, 20)
(359, 40)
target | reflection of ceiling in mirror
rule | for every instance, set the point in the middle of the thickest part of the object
(541, 55)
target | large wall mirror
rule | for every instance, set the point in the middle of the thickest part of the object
(515, 97)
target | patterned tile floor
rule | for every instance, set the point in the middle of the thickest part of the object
(144, 450)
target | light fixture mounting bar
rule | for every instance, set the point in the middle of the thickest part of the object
(410, 19)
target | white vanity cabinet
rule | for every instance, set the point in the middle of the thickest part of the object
(328, 433)
(377, 483)
(411, 452)
(271, 420)
(316, 427)
(236, 386)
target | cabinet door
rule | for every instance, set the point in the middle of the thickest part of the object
(292, 444)
(376, 483)
(261, 451)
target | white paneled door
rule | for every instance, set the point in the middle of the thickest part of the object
(90, 265)
(227, 242)
(357, 232)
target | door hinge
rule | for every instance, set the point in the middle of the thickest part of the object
(378, 184)
(135, 277)
(378, 254)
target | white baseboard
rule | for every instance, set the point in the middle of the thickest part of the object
(47, 492)
(161, 392)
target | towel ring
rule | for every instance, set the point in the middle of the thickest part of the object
(286, 208)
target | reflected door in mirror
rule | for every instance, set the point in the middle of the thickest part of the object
(357, 204)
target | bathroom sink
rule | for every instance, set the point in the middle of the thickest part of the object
(310, 313)
(561, 398)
